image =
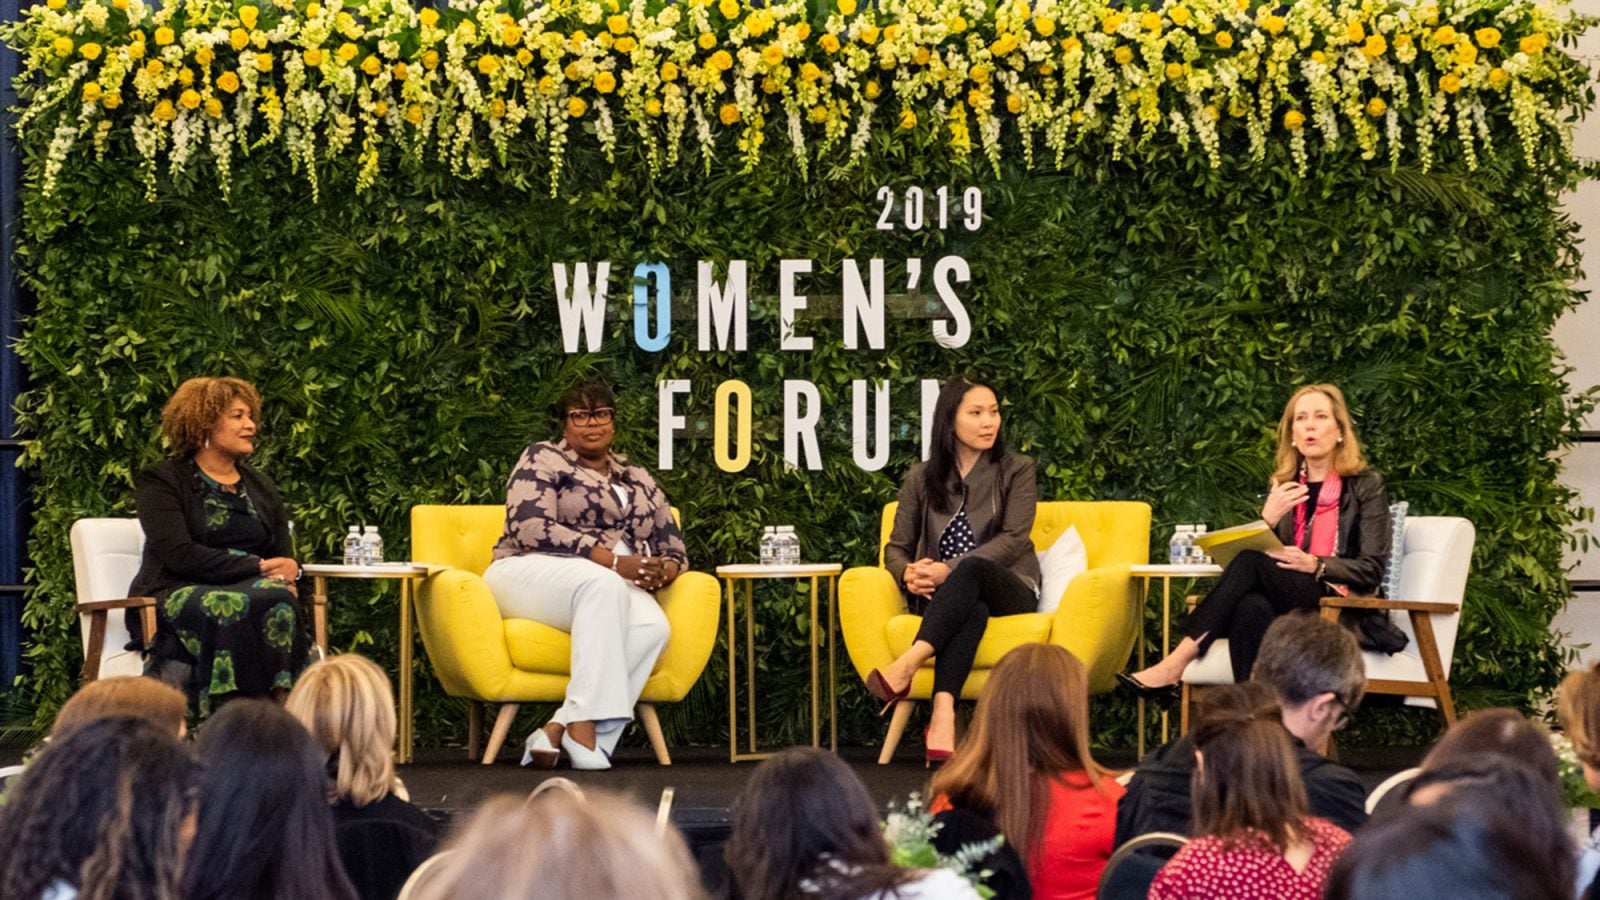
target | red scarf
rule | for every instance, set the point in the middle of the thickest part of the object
(1324, 520)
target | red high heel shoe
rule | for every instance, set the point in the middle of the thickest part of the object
(932, 757)
(878, 686)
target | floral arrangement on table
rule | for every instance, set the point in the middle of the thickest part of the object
(327, 78)
(910, 832)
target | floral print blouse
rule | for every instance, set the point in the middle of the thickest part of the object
(557, 505)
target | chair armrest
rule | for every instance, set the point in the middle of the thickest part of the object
(464, 634)
(123, 603)
(1098, 622)
(868, 599)
(693, 612)
(1427, 606)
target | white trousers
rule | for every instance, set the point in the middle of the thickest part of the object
(618, 631)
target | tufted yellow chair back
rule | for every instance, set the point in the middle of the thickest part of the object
(1113, 531)
(461, 537)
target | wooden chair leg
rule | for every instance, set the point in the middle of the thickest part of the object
(96, 645)
(147, 618)
(474, 728)
(1184, 697)
(1432, 665)
(652, 728)
(897, 728)
(502, 725)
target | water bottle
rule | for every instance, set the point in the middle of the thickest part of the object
(1197, 553)
(790, 544)
(352, 546)
(1175, 547)
(769, 539)
(371, 545)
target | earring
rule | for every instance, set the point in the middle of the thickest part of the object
(208, 444)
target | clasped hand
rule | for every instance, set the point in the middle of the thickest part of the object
(282, 568)
(924, 576)
(650, 573)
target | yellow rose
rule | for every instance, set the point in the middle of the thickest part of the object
(429, 18)
(605, 82)
(1123, 54)
(1006, 43)
(1112, 22)
(571, 71)
(1466, 54)
(488, 65)
(1533, 43)
(1487, 38)
(372, 65)
(430, 60)
(1318, 57)
(728, 8)
(669, 71)
(1224, 40)
(414, 113)
(617, 24)
(721, 60)
(1429, 14)
(111, 100)
(1273, 25)
(136, 49)
(921, 56)
(186, 76)
(1179, 15)
(524, 56)
(312, 57)
(1374, 47)
(247, 16)
(908, 119)
(313, 10)
(847, 7)
(511, 35)
(497, 108)
(213, 107)
(818, 114)
(829, 43)
(90, 51)
(228, 82)
(1174, 71)
(1150, 21)
(204, 56)
(1070, 44)
(56, 4)
(263, 62)
(164, 36)
(154, 67)
(1376, 107)
(1013, 104)
(63, 46)
(1045, 26)
(810, 72)
(164, 111)
(772, 54)
(729, 113)
(1498, 77)
(624, 44)
(979, 74)
(1450, 83)
(770, 85)
(890, 32)
(347, 51)
(1354, 32)
(707, 40)
(91, 92)
(802, 31)
(1293, 119)
(122, 5)
(400, 71)
(956, 24)
(238, 38)
(873, 90)
(381, 108)
(1445, 35)
(652, 107)
(759, 23)
(547, 85)
(189, 99)
(1047, 69)
(869, 34)
(1211, 113)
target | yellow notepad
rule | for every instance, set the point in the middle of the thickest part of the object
(1225, 544)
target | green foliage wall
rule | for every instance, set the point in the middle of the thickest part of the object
(1143, 323)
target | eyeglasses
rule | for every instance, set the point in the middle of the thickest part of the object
(600, 416)
(1344, 713)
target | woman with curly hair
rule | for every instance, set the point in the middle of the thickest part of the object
(216, 551)
(107, 811)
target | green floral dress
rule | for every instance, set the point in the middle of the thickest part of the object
(246, 638)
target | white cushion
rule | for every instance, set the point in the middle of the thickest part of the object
(1064, 561)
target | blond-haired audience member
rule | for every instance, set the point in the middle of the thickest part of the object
(1580, 716)
(562, 846)
(346, 703)
(157, 702)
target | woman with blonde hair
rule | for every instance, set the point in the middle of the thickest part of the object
(560, 845)
(1579, 707)
(345, 702)
(1328, 508)
(1026, 766)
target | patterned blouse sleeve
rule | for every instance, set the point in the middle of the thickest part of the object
(532, 505)
(663, 534)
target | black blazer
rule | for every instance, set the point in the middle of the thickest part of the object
(1364, 538)
(173, 517)
(1000, 500)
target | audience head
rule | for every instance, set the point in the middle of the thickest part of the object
(1513, 789)
(197, 408)
(108, 808)
(1347, 458)
(1032, 719)
(966, 412)
(346, 703)
(560, 845)
(1464, 848)
(157, 702)
(1580, 716)
(805, 816)
(265, 827)
(1503, 733)
(1246, 774)
(1315, 667)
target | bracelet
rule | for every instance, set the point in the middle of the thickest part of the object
(614, 559)
(1322, 567)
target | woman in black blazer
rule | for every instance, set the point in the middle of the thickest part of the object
(216, 551)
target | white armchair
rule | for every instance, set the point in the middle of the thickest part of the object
(105, 557)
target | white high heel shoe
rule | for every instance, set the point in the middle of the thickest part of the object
(582, 757)
(538, 752)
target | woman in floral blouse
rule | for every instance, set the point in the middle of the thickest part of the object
(589, 538)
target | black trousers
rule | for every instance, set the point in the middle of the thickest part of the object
(954, 619)
(1252, 591)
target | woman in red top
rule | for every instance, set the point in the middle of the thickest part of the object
(1254, 836)
(1026, 767)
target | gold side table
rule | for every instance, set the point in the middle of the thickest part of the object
(749, 574)
(407, 573)
(1165, 573)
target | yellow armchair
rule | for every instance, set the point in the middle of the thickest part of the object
(1098, 619)
(483, 658)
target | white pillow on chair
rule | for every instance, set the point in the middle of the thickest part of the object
(1058, 566)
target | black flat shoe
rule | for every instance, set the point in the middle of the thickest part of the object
(1165, 697)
